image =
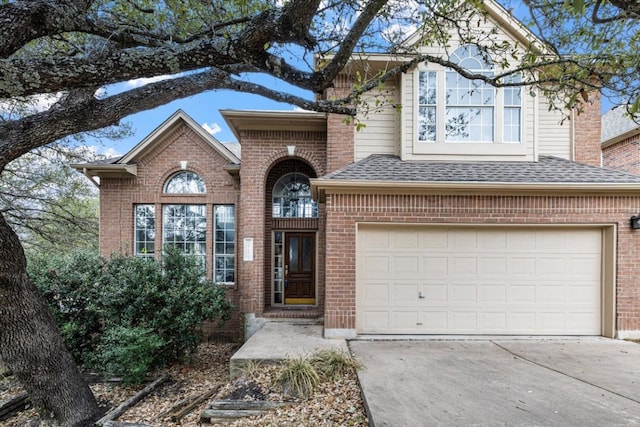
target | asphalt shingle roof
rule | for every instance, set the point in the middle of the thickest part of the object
(615, 123)
(548, 169)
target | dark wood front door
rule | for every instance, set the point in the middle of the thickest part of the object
(299, 268)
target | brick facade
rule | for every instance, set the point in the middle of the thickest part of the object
(118, 196)
(624, 155)
(345, 211)
(587, 132)
(265, 152)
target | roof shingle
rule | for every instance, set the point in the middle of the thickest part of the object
(548, 169)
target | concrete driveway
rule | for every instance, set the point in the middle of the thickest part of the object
(501, 382)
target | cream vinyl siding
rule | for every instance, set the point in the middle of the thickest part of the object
(381, 132)
(554, 138)
(453, 151)
(478, 280)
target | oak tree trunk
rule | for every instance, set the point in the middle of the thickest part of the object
(31, 345)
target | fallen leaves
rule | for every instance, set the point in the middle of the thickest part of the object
(334, 403)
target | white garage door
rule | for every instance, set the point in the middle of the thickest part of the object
(436, 280)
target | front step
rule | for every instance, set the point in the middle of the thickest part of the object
(226, 411)
(290, 313)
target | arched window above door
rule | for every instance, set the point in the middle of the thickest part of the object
(292, 197)
(185, 183)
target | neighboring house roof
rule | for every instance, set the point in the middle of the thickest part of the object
(549, 174)
(125, 165)
(616, 126)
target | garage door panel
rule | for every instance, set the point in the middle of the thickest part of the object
(376, 293)
(463, 240)
(404, 320)
(376, 266)
(404, 294)
(462, 266)
(475, 281)
(492, 266)
(404, 265)
(435, 266)
(492, 293)
(436, 293)
(433, 239)
(495, 322)
(522, 293)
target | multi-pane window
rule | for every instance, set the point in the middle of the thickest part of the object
(469, 102)
(185, 183)
(467, 110)
(292, 197)
(184, 227)
(428, 88)
(512, 110)
(145, 230)
(224, 244)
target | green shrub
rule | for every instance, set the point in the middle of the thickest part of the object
(155, 307)
(70, 285)
(128, 352)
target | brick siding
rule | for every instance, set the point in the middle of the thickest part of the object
(344, 211)
(624, 155)
(155, 166)
(587, 132)
(264, 159)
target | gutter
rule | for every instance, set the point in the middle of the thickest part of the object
(319, 187)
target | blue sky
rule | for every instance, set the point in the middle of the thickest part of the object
(204, 109)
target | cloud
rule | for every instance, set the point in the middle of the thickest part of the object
(212, 128)
(146, 80)
(29, 105)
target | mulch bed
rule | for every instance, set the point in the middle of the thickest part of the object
(337, 403)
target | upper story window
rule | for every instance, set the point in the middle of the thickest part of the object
(454, 109)
(292, 197)
(185, 183)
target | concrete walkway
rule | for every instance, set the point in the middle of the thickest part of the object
(276, 341)
(491, 382)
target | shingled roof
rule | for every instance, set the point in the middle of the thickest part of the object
(548, 169)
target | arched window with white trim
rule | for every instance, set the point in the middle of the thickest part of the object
(292, 197)
(185, 182)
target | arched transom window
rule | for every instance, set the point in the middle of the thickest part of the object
(292, 197)
(185, 183)
(467, 110)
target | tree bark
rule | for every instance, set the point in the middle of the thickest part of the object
(31, 345)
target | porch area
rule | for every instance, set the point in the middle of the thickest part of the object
(282, 338)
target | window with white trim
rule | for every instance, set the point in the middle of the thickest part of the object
(185, 183)
(145, 230)
(454, 109)
(292, 197)
(224, 244)
(185, 228)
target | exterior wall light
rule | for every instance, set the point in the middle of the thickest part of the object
(183, 164)
(291, 150)
(635, 222)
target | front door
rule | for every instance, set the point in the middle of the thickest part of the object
(299, 268)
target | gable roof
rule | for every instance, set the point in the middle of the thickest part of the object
(507, 22)
(118, 167)
(616, 126)
(549, 175)
(176, 118)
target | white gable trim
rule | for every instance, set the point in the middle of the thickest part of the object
(507, 22)
(179, 115)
